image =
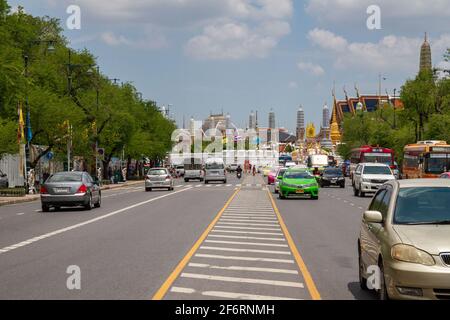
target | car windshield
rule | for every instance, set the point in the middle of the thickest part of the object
(65, 177)
(157, 172)
(298, 175)
(378, 158)
(281, 172)
(333, 172)
(423, 205)
(377, 170)
(437, 163)
(214, 165)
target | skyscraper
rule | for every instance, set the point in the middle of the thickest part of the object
(272, 119)
(300, 124)
(425, 56)
(252, 121)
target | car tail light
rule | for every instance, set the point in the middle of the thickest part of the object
(82, 189)
(43, 190)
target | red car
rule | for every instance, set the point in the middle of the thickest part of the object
(445, 175)
(272, 177)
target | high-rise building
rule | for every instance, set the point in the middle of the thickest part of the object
(301, 124)
(272, 119)
(425, 56)
(252, 121)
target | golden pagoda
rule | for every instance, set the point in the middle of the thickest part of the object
(310, 131)
(335, 132)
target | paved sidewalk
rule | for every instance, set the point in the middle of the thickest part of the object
(33, 197)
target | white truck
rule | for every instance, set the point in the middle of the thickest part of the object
(317, 161)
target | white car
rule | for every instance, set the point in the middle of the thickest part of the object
(290, 164)
(369, 177)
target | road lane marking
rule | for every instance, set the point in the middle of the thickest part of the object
(228, 295)
(159, 295)
(82, 224)
(182, 290)
(252, 218)
(259, 259)
(248, 232)
(20, 214)
(245, 238)
(239, 268)
(248, 224)
(243, 280)
(232, 219)
(248, 243)
(245, 250)
(315, 295)
(248, 228)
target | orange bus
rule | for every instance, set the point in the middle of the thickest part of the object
(426, 159)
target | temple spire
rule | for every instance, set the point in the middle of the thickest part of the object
(425, 56)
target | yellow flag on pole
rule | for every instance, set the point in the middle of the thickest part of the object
(21, 129)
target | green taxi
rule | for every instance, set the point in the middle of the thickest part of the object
(298, 182)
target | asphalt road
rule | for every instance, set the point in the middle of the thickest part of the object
(224, 241)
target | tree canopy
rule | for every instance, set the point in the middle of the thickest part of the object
(59, 93)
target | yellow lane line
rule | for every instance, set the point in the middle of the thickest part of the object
(315, 295)
(159, 295)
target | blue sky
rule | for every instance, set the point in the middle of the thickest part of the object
(242, 55)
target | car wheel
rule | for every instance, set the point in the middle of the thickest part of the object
(99, 202)
(315, 197)
(57, 208)
(361, 194)
(206, 182)
(186, 180)
(148, 189)
(382, 292)
(342, 186)
(45, 208)
(355, 191)
(362, 280)
(88, 206)
(281, 196)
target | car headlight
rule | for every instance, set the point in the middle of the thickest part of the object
(411, 254)
(310, 185)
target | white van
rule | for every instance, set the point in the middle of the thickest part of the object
(215, 170)
(193, 169)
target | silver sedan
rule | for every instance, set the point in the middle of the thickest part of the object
(70, 189)
(158, 178)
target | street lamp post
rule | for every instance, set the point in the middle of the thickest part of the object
(26, 58)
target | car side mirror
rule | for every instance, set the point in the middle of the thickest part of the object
(373, 217)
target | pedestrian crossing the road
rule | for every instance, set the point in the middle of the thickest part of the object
(244, 254)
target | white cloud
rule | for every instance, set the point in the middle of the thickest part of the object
(231, 29)
(152, 40)
(343, 10)
(232, 41)
(327, 40)
(311, 68)
(183, 12)
(391, 52)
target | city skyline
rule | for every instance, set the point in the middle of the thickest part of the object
(276, 55)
